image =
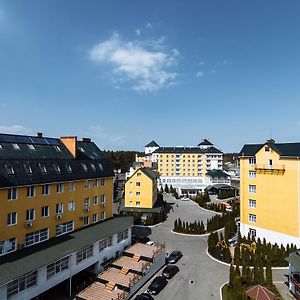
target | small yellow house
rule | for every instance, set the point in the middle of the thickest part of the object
(141, 189)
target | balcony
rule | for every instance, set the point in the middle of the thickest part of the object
(277, 169)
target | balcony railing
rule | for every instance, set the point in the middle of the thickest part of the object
(295, 282)
(270, 167)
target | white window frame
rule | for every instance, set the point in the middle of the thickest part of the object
(8, 246)
(58, 266)
(64, 228)
(45, 189)
(36, 237)
(95, 218)
(59, 208)
(95, 200)
(45, 211)
(252, 218)
(12, 219)
(252, 174)
(12, 194)
(252, 188)
(30, 214)
(30, 193)
(252, 203)
(59, 187)
(71, 206)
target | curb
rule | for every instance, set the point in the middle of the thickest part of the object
(221, 288)
(200, 235)
(228, 265)
(209, 210)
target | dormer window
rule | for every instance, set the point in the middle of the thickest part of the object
(28, 169)
(267, 149)
(31, 147)
(16, 146)
(10, 170)
(84, 167)
(100, 166)
(93, 167)
(57, 148)
(56, 168)
(1, 147)
(69, 169)
(43, 168)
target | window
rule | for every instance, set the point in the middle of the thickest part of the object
(43, 168)
(31, 147)
(30, 214)
(69, 169)
(45, 211)
(130, 203)
(267, 149)
(252, 189)
(252, 232)
(103, 198)
(7, 246)
(84, 253)
(105, 243)
(95, 200)
(96, 183)
(57, 267)
(56, 168)
(28, 169)
(71, 186)
(71, 205)
(22, 283)
(64, 228)
(87, 184)
(57, 148)
(84, 167)
(59, 187)
(130, 194)
(137, 194)
(12, 194)
(123, 235)
(252, 218)
(102, 215)
(139, 174)
(10, 170)
(81, 149)
(95, 218)
(252, 174)
(103, 182)
(86, 220)
(45, 189)
(100, 166)
(252, 160)
(138, 184)
(59, 208)
(16, 146)
(138, 203)
(1, 147)
(252, 203)
(12, 219)
(87, 202)
(30, 191)
(36, 237)
(93, 167)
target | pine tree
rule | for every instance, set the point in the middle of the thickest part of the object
(176, 225)
(237, 255)
(166, 188)
(269, 277)
(231, 276)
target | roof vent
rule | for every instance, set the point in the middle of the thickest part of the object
(271, 141)
(39, 134)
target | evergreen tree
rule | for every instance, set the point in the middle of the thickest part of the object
(231, 276)
(237, 255)
(269, 277)
(166, 189)
(176, 225)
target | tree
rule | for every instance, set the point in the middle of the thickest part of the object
(166, 188)
(231, 276)
(269, 277)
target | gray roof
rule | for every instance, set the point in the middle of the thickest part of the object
(205, 142)
(152, 144)
(187, 150)
(217, 174)
(29, 259)
(294, 260)
(283, 149)
(150, 173)
(43, 156)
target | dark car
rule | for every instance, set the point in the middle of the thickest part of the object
(169, 271)
(157, 285)
(174, 257)
(144, 296)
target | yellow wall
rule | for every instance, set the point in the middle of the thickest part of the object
(23, 203)
(276, 193)
(147, 189)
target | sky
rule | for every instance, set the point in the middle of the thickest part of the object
(128, 72)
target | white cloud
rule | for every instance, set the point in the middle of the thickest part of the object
(201, 63)
(15, 129)
(138, 32)
(145, 64)
(148, 25)
(199, 74)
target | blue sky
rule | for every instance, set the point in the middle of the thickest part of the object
(127, 72)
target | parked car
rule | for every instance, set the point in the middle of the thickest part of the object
(174, 257)
(144, 296)
(157, 285)
(169, 271)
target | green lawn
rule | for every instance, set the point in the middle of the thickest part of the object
(225, 293)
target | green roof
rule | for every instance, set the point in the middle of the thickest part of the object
(294, 260)
(32, 258)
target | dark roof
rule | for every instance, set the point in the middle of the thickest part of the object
(217, 173)
(219, 186)
(150, 173)
(294, 260)
(283, 149)
(152, 144)
(205, 142)
(186, 150)
(29, 259)
(30, 161)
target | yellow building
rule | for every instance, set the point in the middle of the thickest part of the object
(270, 194)
(141, 189)
(50, 187)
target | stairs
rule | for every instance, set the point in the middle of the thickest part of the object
(110, 286)
(136, 258)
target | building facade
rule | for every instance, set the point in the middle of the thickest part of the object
(270, 195)
(49, 188)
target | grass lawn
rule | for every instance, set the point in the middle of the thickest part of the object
(226, 293)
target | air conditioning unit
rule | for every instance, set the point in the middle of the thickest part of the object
(21, 245)
(28, 224)
(86, 209)
(58, 216)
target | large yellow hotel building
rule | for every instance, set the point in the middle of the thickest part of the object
(55, 213)
(270, 191)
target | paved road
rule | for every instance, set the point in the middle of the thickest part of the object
(206, 274)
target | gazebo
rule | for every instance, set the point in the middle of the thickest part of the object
(259, 292)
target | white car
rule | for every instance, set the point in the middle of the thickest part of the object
(185, 199)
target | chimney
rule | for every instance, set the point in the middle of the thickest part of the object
(88, 140)
(39, 134)
(71, 143)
